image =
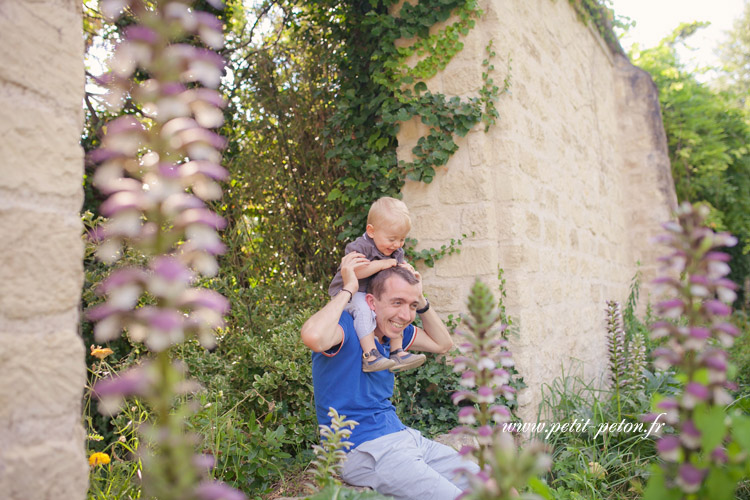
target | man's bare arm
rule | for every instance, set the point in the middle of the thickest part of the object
(321, 331)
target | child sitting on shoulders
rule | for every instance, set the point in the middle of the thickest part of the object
(388, 224)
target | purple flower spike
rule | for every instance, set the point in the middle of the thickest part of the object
(207, 168)
(133, 382)
(201, 216)
(690, 478)
(485, 431)
(460, 363)
(119, 202)
(718, 257)
(699, 391)
(216, 490)
(717, 308)
(120, 278)
(141, 33)
(668, 448)
(485, 395)
(165, 320)
(204, 461)
(690, 436)
(699, 332)
(467, 415)
(468, 379)
(728, 328)
(500, 413)
(719, 455)
(466, 450)
(459, 396)
(101, 311)
(171, 269)
(672, 308)
(207, 299)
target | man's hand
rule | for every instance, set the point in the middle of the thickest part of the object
(322, 331)
(416, 274)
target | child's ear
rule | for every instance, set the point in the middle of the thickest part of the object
(370, 230)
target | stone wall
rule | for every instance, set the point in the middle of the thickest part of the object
(563, 193)
(42, 368)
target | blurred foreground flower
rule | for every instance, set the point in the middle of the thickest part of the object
(504, 467)
(702, 455)
(158, 168)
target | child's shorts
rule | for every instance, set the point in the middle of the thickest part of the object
(364, 317)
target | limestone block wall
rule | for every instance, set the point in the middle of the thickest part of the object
(563, 193)
(42, 368)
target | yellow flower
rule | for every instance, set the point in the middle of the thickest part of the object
(100, 352)
(98, 458)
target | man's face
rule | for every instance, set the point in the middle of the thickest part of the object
(396, 308)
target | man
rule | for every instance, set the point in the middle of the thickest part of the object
(386, 456)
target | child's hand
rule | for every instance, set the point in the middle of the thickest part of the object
(392, 262)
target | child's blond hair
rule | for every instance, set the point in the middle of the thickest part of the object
(389, 211)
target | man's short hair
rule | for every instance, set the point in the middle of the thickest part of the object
(376, 286)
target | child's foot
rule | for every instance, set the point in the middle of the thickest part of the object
(373, 361)
(406, 361)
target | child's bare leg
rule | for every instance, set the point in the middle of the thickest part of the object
(396, 344)
(367, 342)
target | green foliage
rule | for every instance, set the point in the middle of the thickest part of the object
(270, 376)
(707, 138)
(423, 397)
(602, 16)
(739, 355)
(119, 479)
(430, 255)
(734, 55)
(607, 466)
(381, 90)
(247, 455)
(611, 465)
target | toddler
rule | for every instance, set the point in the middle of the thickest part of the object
(388, 223)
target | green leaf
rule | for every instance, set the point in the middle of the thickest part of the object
(741, 431)
(720, 485)
(710, 422)
(537, 486)
(656, 489)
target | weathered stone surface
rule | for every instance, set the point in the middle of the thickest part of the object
(42, 371)
(577, 172)
(51, 66)
(43, 267)
(40, 151)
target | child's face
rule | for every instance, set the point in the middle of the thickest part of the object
(387, 239)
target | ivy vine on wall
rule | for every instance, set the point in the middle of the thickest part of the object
(380, 89)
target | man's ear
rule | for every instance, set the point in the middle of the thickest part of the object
(370, 230)
(370, 298)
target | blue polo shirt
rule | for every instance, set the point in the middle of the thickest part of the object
(339, 382)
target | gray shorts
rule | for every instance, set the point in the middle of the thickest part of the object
(408, 466)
